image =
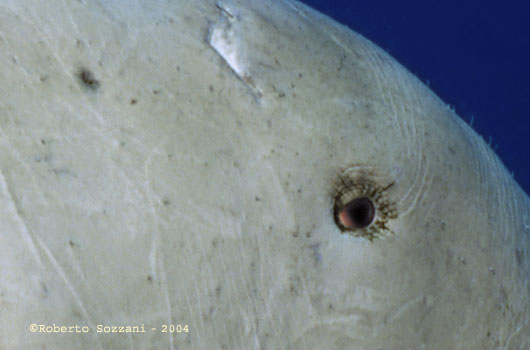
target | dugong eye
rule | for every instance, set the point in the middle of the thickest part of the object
(358, 213)
(363, 206)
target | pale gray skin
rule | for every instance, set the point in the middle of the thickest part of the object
(190, 179)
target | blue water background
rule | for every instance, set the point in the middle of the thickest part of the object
(475, 55)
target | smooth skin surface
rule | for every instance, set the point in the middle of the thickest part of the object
(181, 163)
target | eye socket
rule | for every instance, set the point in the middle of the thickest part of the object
(358, 213)
(363, 205)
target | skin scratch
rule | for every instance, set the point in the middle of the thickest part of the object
(165, 289)
(69, 285)
(30, 243)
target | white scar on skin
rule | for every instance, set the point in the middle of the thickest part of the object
(226, 38)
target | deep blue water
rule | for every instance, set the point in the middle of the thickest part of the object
(474, 54)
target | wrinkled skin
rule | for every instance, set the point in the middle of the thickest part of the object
(178, 164)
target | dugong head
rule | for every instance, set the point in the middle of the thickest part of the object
(242, 175)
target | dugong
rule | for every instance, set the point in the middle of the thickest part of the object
(242, 174)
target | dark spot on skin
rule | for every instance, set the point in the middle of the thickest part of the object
(293, 290)
(43, 78)
(214, 243)
(88, 79)
(211, 88)
(257, 199)
(208, 316)
(149, 278)
(341, 62)
(300, 75)
(452, 150)
(42, 141)
(316, 255)
(62, 172)
(44, 287)
(71, 243)
(218, 291)
(281, 94)
(156, 92)
(133, 101)
(488, 334)
(519, 257)
(166, 202)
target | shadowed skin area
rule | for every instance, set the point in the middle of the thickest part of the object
(188, 164)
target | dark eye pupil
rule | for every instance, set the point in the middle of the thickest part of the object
(358, 213)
